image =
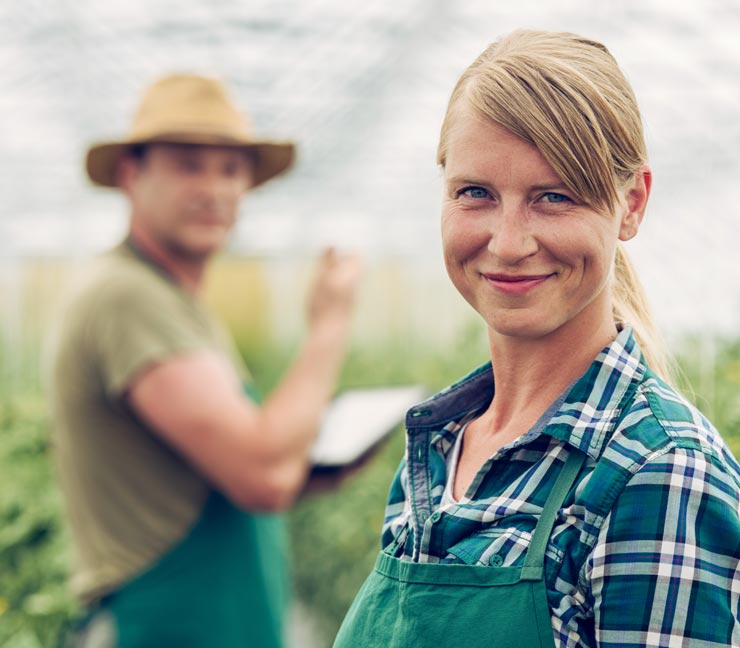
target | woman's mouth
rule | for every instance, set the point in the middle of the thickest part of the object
(510, 284)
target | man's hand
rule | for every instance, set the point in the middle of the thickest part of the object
(331, 297)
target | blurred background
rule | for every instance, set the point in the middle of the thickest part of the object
(362, 88)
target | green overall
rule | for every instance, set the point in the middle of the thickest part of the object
(224, 585)
(427, 605)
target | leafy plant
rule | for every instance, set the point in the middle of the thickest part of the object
(711, 378)
(34, 602)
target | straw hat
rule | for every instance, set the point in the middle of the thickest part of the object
(189, 109)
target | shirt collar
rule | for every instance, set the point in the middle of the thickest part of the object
(588, 412)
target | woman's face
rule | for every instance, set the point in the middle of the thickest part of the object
(518, 245)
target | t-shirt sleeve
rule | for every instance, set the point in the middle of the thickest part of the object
(137, 324)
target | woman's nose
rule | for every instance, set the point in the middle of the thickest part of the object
(511, 236)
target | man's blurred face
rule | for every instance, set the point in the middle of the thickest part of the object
(185, 197)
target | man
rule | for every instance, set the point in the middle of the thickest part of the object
(170, 470)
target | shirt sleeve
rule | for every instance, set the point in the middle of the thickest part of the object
(136, 324)
(664, 569)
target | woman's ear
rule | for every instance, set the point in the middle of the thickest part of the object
(635, 201)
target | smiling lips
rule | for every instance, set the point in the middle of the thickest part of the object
(516, 284)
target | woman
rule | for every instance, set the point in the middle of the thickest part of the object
(582, 502)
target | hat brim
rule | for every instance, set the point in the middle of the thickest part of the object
(270, 158)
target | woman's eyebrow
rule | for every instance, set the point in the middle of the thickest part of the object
(550, 186)
(467, 179)
(473, 180)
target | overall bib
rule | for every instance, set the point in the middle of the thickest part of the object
(427, 605)
(224, 586)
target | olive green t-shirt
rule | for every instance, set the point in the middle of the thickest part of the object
(129, 497)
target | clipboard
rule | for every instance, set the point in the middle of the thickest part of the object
(359, 419)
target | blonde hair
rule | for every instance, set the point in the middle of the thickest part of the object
(567, 96)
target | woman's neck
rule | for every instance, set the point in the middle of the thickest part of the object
(531, 373)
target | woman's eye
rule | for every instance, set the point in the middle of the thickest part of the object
(473, 192)
(552, 197)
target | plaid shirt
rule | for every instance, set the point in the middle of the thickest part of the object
(645, 549)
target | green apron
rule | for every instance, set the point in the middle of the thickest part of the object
(224, 585)
(427, 605)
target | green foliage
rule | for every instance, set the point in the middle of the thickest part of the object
(402, 359)
(711, 378)
(335, 538)
(34, 602)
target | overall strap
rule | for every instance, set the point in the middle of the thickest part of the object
(534, 562)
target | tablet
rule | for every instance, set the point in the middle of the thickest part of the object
(358, 419)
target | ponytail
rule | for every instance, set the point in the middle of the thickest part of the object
(630, 306)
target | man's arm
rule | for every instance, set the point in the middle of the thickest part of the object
(258, 456)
